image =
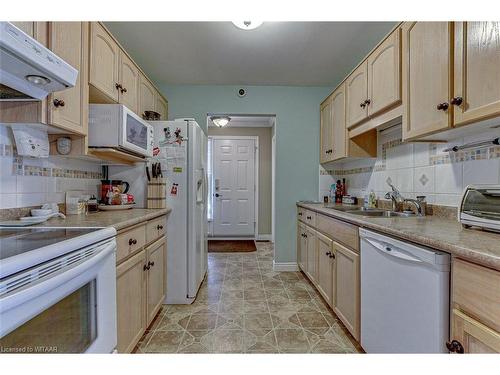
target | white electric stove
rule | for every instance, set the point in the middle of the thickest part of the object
(57, 290)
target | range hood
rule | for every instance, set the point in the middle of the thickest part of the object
(29, 70)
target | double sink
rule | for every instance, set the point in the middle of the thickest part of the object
(372, 212)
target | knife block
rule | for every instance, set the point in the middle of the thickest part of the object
(157, 189)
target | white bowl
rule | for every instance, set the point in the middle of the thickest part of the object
(41, 212)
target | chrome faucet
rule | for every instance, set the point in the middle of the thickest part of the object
(397, 198)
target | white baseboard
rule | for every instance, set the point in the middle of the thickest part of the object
(285, 267)
(264, 237)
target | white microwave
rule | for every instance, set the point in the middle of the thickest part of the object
(116, 126)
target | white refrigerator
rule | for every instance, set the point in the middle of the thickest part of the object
(183, 158)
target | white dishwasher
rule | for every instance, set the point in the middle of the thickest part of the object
(405, 293)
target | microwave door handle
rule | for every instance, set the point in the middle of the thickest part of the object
(18, 298)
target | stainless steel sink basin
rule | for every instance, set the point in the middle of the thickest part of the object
(344, 209)
(381, 213)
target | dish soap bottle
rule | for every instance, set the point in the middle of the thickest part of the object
(372, 200)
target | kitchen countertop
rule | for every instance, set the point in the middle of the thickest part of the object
(441, 234)
(117, 219)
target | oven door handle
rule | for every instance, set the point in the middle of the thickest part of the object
(16, 298)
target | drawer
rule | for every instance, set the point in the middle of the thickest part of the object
(346, 234)
(306, 216)
(129, 241)
(156, 228)
(476, 291)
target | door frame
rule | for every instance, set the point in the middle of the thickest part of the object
(255, 138)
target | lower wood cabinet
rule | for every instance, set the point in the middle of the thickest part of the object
(326, 268)
(475, 316)
(156, 278)
(312, 255)
(347, 288)
(332, 267)
(130, 301)
(140, 287)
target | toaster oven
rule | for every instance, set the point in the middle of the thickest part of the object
(480, 207)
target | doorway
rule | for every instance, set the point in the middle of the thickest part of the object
(240, 178)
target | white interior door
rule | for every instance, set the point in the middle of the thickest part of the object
(234, 187)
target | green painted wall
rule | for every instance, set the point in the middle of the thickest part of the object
(297, 140)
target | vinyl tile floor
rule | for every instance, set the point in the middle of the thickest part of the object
(243, 306)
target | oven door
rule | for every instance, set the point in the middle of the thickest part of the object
(136, 134)
(67, 305)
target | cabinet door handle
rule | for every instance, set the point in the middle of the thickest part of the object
(328, 253)
(457, 100)
(309, 218)
(146, 267)
(442, 106)
(332, 255)
(368, 101)
(132, 241)
(118, 86)
(300, 213)
(150, 264)
(363, 105)
(59, 103)
(159, 227)
(122, 90)
(455, 347)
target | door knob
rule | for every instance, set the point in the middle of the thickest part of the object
(59, 103)
(457, 100)
(455, 347)
(442, 106)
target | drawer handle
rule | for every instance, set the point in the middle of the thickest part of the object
(159, 227)
(328, 253)
(146, 267)
(442, 106)
(457, 100)
(309, 218)
(132, 241)
(59, 103)
(300, 213)
(332, 255)
(455, 347)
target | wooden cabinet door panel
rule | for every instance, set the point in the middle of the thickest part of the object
(312, 255)
(426, 77)
(161, 107)
(347, 288)
(129, 79)
(156, 280)
(356, 94)
(146, 96)
(130, 301)
(326, 131)
(325, 268)
(104, 61)
(339, 130)
(384, 74)
(475, 337)
(477, 71)
(301, 247)
(69, 41)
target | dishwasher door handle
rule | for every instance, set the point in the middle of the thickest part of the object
(389, 250)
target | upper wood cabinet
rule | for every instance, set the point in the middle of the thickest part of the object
(427, 82)
(476, 93)
(68, 109)
(356, 87)
(128, 83)
(161, 107)
(384, 74)
(339, 131)
(104, 62)
(326, 132)
(147, 96)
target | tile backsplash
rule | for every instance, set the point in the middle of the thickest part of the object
(31, 182)
(418, 169)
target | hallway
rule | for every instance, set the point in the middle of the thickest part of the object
(244, 306)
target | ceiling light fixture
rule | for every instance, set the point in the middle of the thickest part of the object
(247, 25)
(220, 121)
